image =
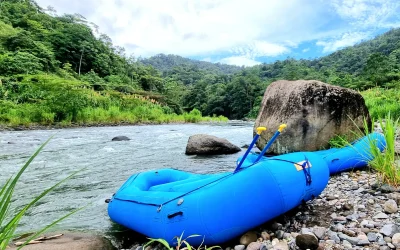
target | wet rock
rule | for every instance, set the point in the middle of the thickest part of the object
(307, 241)
(248, 238)
(202, 144)
(390, 206)
(120, 138)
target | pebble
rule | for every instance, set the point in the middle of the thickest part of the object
(390, 206)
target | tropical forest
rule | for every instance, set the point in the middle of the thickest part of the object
(57, 69)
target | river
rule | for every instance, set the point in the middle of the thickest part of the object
(104, 166)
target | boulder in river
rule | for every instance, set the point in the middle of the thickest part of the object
(202, 144)
(314, 113)
(120, 138)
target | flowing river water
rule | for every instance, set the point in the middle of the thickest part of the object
(104, 166)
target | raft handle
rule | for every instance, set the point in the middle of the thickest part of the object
(170, 216)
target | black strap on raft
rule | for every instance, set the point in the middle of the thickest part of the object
(305, 166)
(306, 170)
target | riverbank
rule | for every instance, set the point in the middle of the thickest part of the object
(4, 127)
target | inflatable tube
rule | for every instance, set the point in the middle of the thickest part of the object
(356, 155)
(166, 203)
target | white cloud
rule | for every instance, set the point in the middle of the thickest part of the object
(239, 61)
(367, 13)
(305, 50)
(241, 28)
(345, 40)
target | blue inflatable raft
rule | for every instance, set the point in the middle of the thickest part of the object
(165, 203)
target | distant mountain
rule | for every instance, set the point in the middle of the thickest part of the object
(166, 63)
(353, 59)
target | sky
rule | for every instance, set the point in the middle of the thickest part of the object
(237, 32)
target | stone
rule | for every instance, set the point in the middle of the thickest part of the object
(380, 216)
(71, 241)
(372, 237)
(347, 245)
(396, 238)
(202, 144)
(352, 240)
(281, 245)
(120, 138)
(279, 234)
(319, 232)
(307, 241)
(386, 188)
(390, 206)
(394, 196)
(314, 111)
(276, 226)
(389, 230)
(265, 235)
(391, 246)
(240, 247)
(254, 246)
(248, 238)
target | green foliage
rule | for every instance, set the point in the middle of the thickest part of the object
(33, 42)
(9, 219)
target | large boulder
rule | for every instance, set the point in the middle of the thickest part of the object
(313, 111)
(202, 144)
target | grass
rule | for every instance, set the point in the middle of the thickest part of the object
(9, 221)
(382, 101)
(181, 243)
(385, 163)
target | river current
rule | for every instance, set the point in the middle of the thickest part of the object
(104, 165)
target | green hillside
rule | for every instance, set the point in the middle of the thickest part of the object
(53, 69)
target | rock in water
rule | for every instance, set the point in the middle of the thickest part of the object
(313, 111)
(120, 138)
(202, 144)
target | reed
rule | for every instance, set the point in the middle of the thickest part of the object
(9, 220)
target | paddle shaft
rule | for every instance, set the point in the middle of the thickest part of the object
(259, 130)
(277, 133)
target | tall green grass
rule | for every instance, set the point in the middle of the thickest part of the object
(48, 100)
(381, 101)
(9, 219)
(385, 163)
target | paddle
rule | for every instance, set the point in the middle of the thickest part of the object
(259, 131)
(277, 133)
